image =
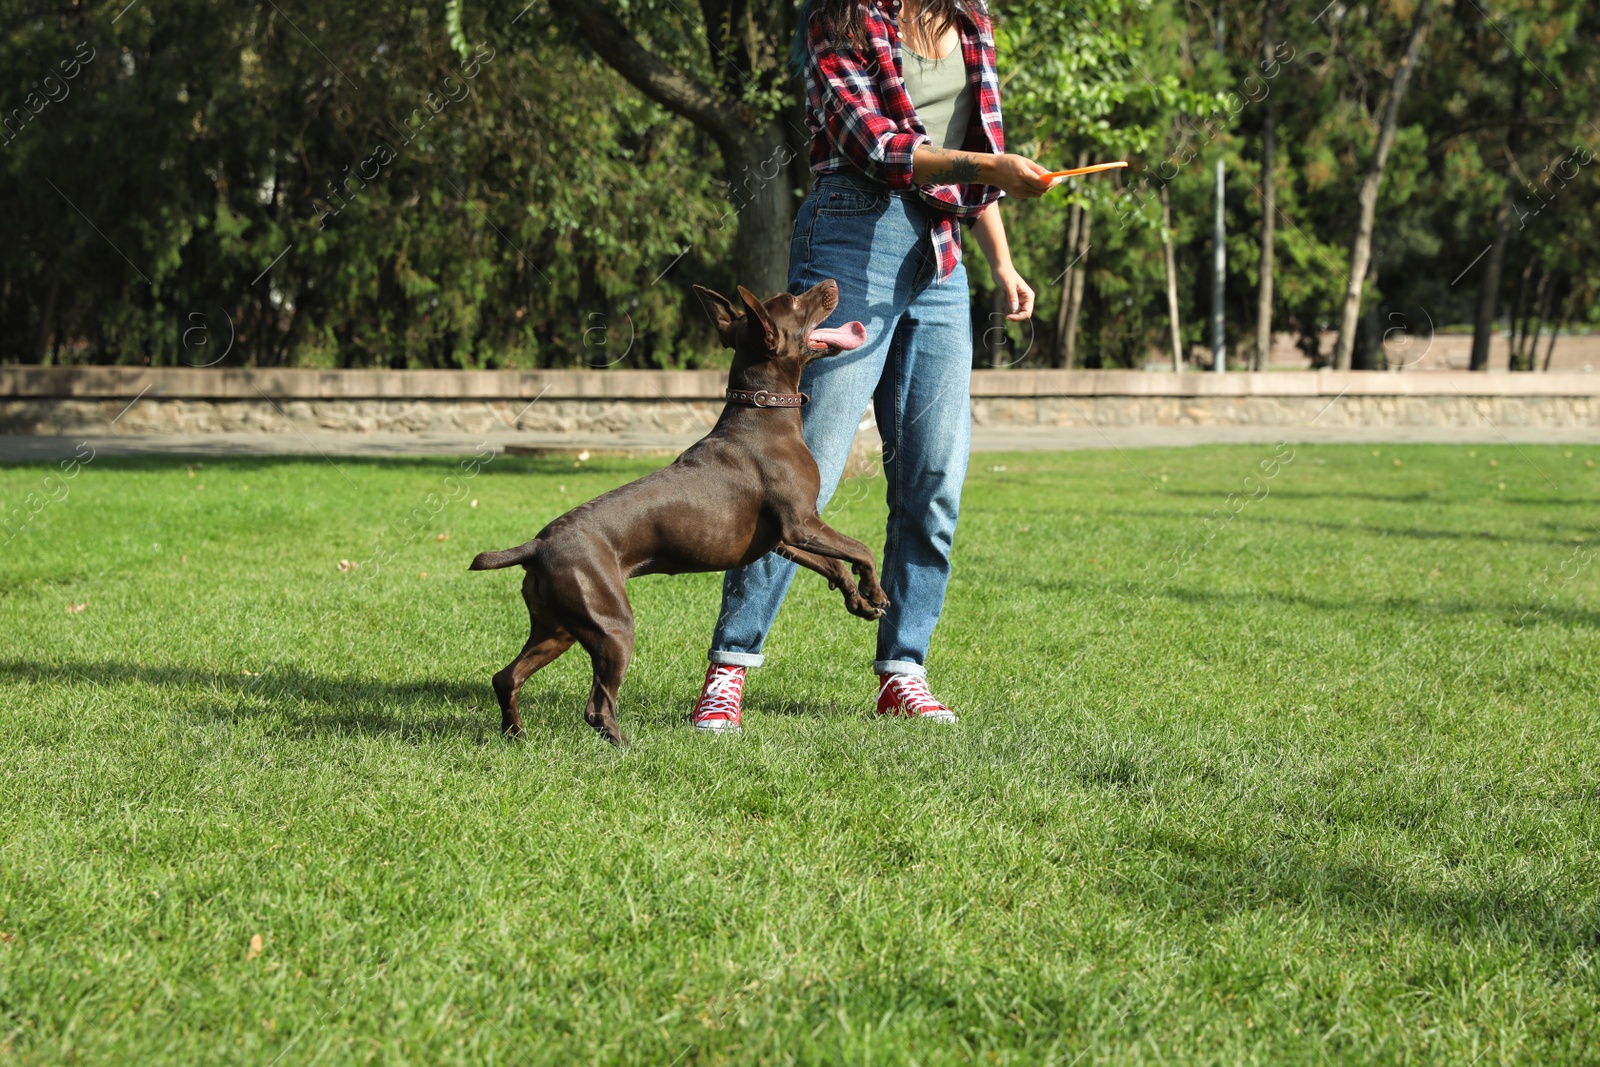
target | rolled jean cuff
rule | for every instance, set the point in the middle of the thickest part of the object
(899, 666)
(735, 659)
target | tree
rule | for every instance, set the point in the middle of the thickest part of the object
(1367, 196)
(1537, 82)
(1269, 200)
(739, 111)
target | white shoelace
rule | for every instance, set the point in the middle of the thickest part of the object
(722, 693)
(914, 693)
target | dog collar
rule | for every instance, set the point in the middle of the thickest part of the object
(761, 398)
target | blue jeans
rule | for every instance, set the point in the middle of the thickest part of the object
(915, 369)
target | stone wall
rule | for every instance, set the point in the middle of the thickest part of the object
(1466, 412)
(134, 400)
(66, 415)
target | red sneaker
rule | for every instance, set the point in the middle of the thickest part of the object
(718, 706)
(908, 695)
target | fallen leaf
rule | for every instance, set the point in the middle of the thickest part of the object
(443, 537)
(6, 939)
(73, 609)
(1435, 573)
(1494, 463)
(253, 674)
(255, 948)
(346, 565)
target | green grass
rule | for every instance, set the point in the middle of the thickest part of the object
(1317, 783)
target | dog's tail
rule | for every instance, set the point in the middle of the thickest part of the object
(489, 561)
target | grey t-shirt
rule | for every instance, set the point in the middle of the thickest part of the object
(940, 93)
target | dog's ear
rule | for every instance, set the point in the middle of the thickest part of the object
(759, 319)
(721, 310)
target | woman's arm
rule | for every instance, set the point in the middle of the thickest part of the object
(991, 234)
(1018, 175)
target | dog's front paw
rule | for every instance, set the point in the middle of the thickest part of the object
(875, 596)
(862, 607)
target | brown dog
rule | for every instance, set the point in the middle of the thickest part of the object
(747, 488)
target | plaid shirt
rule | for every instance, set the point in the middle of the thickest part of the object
(862, 121)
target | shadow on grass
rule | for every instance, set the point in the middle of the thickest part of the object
(1523, 614)
(804, 708)
(304, 704)
(1373, 530)
(1213, 881)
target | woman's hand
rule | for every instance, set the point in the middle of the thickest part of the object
(1019, 294)
(1019, 176)
(991, 234)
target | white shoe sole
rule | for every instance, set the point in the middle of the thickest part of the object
(944, 718)
(717, 727)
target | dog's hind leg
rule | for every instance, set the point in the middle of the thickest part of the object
(606, 633)
(610, 655)
(547, 639)
(544, 645)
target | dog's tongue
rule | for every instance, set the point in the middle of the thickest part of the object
(850, 335)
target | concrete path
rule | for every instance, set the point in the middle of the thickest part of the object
(18, 448)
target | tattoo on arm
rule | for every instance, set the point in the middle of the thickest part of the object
(959, 169)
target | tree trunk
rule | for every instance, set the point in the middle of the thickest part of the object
(1530, 357)
(1367, 197)
(1269, 203)
(1369, 334)
(1566, 317)
(1219, 271)
(1172, 278)
(1069, 254)
(757, 172)
(1489, 288)
(1078, 270)
(1517, 328)
(1219, 247)
(995, 336)
(47, 316)
(754, 154)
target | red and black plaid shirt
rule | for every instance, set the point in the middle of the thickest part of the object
(863, 123)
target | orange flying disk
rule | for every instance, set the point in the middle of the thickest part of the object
(1097, 168)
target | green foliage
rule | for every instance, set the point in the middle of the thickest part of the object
(466, 185)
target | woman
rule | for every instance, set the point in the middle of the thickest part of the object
(904, 108)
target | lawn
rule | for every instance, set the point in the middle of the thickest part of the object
(1311, 780)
